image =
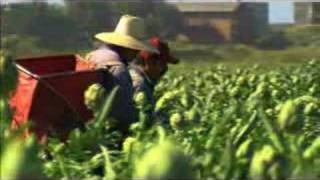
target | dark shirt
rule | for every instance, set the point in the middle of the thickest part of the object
(123, 108)
(142, 83)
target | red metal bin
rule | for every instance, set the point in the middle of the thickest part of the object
(50, 94)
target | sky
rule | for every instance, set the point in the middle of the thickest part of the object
(279, 11)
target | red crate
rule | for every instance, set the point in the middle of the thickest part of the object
(50, 94)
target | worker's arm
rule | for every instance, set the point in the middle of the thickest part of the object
(124, 108)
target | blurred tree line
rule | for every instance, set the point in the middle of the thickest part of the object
(27, 28)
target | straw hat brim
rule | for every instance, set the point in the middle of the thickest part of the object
(125, 41)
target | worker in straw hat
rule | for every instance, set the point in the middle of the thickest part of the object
(117, 49)
(148, 67)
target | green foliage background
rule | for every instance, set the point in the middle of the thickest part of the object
(71, 27)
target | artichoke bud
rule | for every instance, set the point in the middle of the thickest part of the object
(176, 121)
(94, 96)
(128, 144)
(288, 119)
(164, 161)
(140, 99)
(240, 81)
(262, 162)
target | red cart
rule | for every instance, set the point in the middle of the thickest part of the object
(50, 94)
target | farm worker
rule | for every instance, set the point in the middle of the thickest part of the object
(147, 69)
(117, 49)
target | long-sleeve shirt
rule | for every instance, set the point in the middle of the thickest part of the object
(142, 83)
(123, 108)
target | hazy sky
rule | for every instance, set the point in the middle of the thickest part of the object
(279, 11)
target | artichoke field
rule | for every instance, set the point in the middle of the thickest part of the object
(245, 123)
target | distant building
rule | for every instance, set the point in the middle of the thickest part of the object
(307, 12)
(224, 22)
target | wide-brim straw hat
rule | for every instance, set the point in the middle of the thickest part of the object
(129, 33)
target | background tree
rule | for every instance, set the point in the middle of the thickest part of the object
(90, 17)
